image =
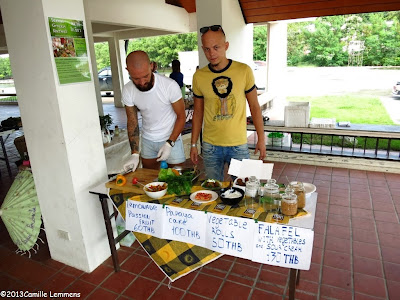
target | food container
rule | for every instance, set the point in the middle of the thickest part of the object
(251, 193)
(289, 204)
(231, 196)
(240, 183)
(156, 189)
(211, 184)
(298, 189)
(269, 197)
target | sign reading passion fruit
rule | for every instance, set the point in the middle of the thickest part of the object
(69, 50)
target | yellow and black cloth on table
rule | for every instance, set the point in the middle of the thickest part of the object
(174, 258)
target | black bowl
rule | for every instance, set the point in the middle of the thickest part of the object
(232, 201)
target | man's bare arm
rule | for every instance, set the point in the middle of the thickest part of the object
(179, 108)
(256, 115)
(133, 128)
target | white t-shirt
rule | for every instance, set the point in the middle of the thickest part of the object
(158, 116)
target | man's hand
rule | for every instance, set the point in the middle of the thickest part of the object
(194, 155)
(132, 162)
(263, 151)
(164, 152)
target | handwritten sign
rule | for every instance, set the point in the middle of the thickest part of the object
(184, 225)
(230, 235)
(283, 245)
(144, 217)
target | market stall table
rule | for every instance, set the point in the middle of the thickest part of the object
(120, 197)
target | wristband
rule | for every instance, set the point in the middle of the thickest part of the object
(194, 146)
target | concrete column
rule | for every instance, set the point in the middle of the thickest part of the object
(92, 52)
(277, 58)
(62, 133)
(228, 14)
(116, 66)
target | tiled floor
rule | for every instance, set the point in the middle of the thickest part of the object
(355, 252)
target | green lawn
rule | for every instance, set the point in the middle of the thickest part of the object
(353, 108)
(9, 99)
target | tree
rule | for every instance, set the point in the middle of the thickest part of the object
(260, 42)
(102, 55)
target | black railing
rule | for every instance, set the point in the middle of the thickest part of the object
(383, 145)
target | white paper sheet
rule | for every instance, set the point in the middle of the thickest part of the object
(250, 167)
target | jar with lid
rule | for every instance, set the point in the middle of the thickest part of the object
(251, 192)
(289, 204)
(298, 189)
(270, 197)
(116, 130)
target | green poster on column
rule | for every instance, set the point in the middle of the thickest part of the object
(69, 50)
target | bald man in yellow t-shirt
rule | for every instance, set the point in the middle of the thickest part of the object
(220, 92)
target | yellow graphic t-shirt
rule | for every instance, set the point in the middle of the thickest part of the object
(224, 96)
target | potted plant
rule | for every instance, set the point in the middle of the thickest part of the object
(275, 138)
(105, 122)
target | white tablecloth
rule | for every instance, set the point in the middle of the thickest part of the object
(117, 152)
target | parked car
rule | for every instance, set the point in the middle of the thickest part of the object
(105, 80)
(396, 89)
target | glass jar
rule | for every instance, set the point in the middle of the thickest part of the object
(116, 130)
(289, 204)
(251, 192)
(298, 189)
(270, 197)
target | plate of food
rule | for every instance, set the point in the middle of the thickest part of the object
(204, 196)
(241, 182)
(309, 188)
(211, 184)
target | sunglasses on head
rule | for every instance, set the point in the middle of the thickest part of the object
(203, 30)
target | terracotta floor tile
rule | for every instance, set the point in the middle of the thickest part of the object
(369, 285)
(362, 213)
(214, 272)
(189, 296)
(390, 217)
(271, 287)
(165, 293)
(232, 290)
(362, 223)
(141, 288)
(336, 277)
(247, 262)
(118, 281)
(34, 273)
(136, 263)
(331, 292)
(275, 269)
(102, 294)
(57, 283)
(273, 278)
(337, 244)
(339, 210)
(184, 282)
(383, 206)
(322, 190)
(367, 266)
(366, 250)
(98, 275)
(221, 264)
(386, 227)
(393, 289)
(317, 254)
(205, 285)
(389, 240)
(313, 274)
(322, 198)
(319, 240)
(72, 271)
(337, 260)
(9, 260)
(82, 287)
(355, 188)
(338, 219)
(339, 200)
(392, 271)
(243, 270)
(122, 256)
(152, 271)
(240, 279)
(360, 203)
(366, 236)
(390, 254)
(338, 231)
(339, 178)
(260, 294)
(360, 193)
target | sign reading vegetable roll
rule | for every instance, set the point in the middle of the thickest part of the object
(69, 50)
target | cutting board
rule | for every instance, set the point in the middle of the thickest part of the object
(144, 176)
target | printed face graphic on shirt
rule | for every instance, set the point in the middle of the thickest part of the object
(225, 103)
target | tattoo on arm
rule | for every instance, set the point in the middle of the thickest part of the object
(133, 128)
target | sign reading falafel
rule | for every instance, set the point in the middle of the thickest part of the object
(144, 217)
(184, 225)
(69, 50)
(285, 246)
(230, 235)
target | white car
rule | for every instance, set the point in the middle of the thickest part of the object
(396, 89)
